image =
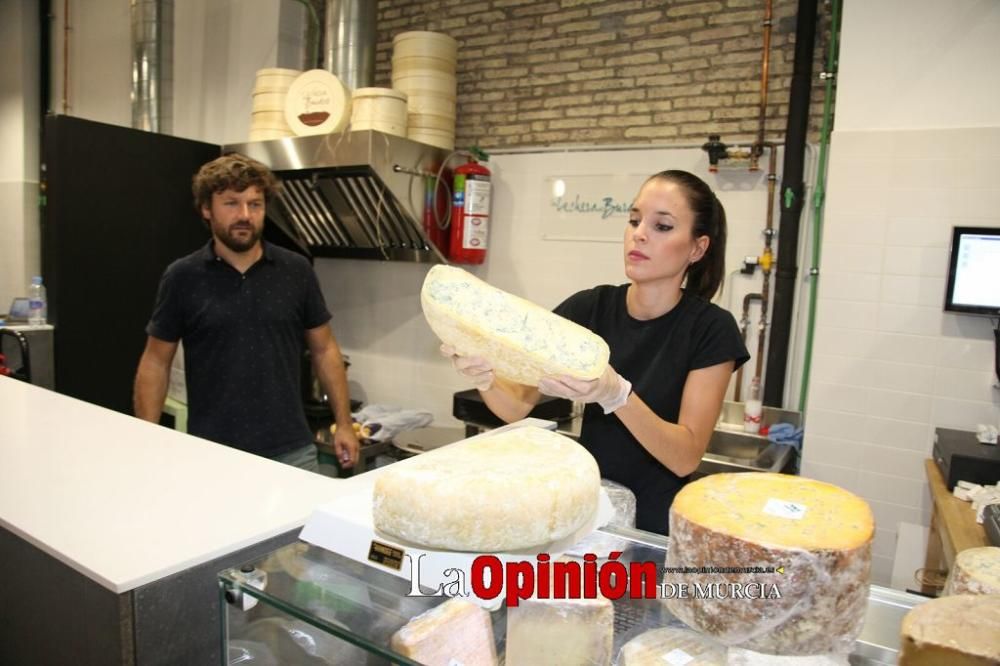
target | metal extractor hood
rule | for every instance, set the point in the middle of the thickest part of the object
(358, 195)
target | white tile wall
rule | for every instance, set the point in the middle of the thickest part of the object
(889, 364)
(376, 305)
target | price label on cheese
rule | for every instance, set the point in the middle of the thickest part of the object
(783, 509)
(677, 657)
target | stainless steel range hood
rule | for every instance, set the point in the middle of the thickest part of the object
(357, 195)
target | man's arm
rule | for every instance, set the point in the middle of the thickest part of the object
(328, 363)
(152, 377)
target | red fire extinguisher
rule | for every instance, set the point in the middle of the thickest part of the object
(470, 214)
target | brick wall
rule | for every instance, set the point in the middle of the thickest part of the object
(534, 73)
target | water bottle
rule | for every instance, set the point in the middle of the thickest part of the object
(36, 302)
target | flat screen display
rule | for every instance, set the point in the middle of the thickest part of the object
(974, 271)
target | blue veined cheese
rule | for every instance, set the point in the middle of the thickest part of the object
(516, 489)
(976, 571)
(523, 341)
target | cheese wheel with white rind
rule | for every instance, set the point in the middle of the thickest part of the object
(960, 630)
(523, 342)
(455, 632)
(519, 488)
(976, 571)
(672, 646)
(816, 537)
(560, 632)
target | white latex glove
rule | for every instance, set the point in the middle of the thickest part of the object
(476, 369)
(610, 390)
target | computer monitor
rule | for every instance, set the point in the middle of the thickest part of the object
(974, 271)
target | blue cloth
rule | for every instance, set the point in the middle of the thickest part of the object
(785, 433)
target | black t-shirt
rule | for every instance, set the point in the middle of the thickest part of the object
(243, 341)
(656, 355)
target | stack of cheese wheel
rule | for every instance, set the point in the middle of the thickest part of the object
(381, 109)
(423, 67)
(771, 536)
(268, 118)
(317, 103)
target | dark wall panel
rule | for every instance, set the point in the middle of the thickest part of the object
(118, 210)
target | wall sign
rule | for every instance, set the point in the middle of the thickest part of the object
(588, 208)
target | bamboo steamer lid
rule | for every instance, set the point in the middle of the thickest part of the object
(317, 103)
(403, 64)
(432, 138)
(430, 104)
(440, 84)
(271, 101)
(382, 109)
(425, 44)
(437, 123)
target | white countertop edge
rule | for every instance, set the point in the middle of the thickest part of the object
(128, 585)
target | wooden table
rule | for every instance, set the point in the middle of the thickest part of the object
(953, 525)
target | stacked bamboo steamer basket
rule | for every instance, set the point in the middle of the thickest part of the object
(423, 67)
(267, 120)
(382, 109)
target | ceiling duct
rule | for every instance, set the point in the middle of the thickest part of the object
(357, 195)
(152, 64)
(349, 41)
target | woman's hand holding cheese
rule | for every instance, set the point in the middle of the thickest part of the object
(610, 390)
(476, 369)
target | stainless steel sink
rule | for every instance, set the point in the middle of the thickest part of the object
(733, 450)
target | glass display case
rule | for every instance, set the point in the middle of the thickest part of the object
(305, 605)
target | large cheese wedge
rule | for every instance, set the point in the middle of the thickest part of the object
(672, 646)
(523, 341)
(519, 488)
(560, 632)
(456, 632)
(976, 571)
(960, 630)
(814, 536)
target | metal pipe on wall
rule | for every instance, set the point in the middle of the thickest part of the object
(792, 200)
(349, 41)
(152, 64)
(758, 147)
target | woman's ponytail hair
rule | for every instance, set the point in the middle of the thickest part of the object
(704, 277)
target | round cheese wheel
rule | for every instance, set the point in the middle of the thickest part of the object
(960, 630)
(816, 539)
(317, 103)
(523, 341)
(976, 571)
(520, 488)
(672, 646)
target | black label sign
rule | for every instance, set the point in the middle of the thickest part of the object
(386, 555)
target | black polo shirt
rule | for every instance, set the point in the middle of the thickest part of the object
(243, 340)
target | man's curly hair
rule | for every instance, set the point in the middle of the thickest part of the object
(232, 172)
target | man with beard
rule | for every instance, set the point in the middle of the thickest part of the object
(243, 309)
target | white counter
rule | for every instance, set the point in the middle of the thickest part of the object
(126, 502)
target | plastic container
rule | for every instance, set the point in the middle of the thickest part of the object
(753, 408)
(37, 303)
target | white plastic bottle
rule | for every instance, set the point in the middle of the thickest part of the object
(753, 408)
(37, 304)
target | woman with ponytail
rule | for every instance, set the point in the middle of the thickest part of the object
(649, 418)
